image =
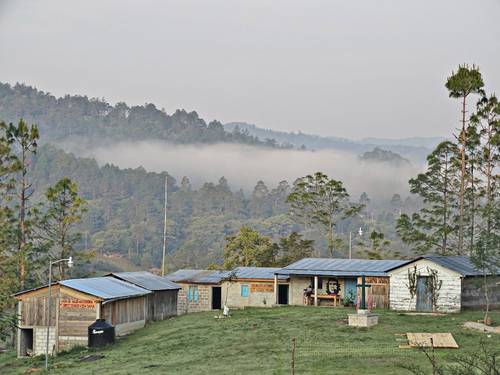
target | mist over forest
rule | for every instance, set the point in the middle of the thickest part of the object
(244, 165)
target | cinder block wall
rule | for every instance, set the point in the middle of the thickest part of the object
(204, 303)
(40, 339)
(261, 294)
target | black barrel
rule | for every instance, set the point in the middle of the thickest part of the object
(101, 333)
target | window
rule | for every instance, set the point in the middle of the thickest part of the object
(193, 294)
(244, 291)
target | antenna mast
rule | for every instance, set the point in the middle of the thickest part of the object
(163, 266)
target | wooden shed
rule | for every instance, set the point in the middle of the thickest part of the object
(75, 304)
(162, 302)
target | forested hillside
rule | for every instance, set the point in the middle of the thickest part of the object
(93, 120)
(415, 149)
(125, 212)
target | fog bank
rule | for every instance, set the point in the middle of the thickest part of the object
(243, 166)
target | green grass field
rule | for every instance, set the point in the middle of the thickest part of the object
(258, 341)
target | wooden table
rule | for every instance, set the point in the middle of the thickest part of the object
(333, 297)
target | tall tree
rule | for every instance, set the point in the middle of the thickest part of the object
(293, 248)
(324, 201)
(432, 228)
(379, 247)
(249, 248)
(64, 210)
(466, 81)
(487, 119)
(8, 260)
(25, 141)
(485, 253)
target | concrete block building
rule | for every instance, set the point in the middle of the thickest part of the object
(201, 290)
(254, 286)
(330, 281)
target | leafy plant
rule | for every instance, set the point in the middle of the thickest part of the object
(433, 285)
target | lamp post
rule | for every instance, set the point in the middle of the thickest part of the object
(360, 232)
(70, 264)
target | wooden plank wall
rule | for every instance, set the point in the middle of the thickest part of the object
(473, 292)
(124, 311)
(162, 304)
(75, 315)
(378, 294)
(34, 311)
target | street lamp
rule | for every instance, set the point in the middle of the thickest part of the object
(360, 232)
(70, 264)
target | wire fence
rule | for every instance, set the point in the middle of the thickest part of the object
(367, 358)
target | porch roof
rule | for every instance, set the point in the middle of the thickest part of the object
(339, 267)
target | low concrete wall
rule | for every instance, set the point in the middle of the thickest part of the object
(126, 328)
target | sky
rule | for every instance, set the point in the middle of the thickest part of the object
(358, 68)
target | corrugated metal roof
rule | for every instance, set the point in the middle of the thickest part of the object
(340, 267)
(256, 272)
(146, 280)
(107, 288)
(458, 263)
(196, 276)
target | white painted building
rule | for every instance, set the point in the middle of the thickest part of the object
(461, 285)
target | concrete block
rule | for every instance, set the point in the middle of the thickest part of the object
(365, 319)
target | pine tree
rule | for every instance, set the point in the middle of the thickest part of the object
(24, 139)
(466, 81)
(432, 228)
(64, 210)
(323, 201)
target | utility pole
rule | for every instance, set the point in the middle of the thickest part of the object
(163, 265)
(350, 245)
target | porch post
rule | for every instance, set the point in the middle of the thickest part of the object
(315, 290)
(276, 289)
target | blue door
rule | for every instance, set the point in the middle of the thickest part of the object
(350, 290)
(424, 295)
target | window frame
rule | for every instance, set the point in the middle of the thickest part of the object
(245, 290)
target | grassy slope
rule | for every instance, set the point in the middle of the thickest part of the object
(258, 341)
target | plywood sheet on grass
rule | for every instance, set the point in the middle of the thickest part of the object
(439, 340)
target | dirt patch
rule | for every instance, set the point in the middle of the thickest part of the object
(481, 327)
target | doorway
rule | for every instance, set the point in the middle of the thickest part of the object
(424, 294)
(216, 298)
(26, 342)
(282, 294)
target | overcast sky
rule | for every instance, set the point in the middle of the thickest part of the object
(344, 68)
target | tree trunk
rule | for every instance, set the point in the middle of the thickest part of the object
(22, 223)
(445, 206)
(330, 238)
(462, 182)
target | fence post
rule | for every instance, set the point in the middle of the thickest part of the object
(294, 341)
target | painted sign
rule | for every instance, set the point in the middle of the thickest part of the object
(77, 304)
(262, 288)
